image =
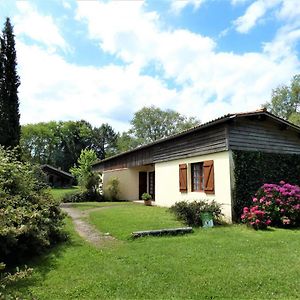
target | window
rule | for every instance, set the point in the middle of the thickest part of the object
(202, 177)
(197, 173)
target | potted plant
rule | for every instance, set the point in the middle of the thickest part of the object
(147, 199)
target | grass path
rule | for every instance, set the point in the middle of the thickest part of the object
(87, 231)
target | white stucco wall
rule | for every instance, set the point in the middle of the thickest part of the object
(128, 181)
(167, 181)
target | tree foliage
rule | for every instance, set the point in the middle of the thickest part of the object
(285, 101)
(9, 83)
(151, 123)
(83, 172)
(30, 219)
(126, 141)
(104, 140)
(60, 143)
(89, 181)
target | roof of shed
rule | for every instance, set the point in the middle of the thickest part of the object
(57, 170)
(211, 123)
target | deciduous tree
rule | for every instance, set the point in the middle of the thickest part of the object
(104, 141)
(60, 143)
(285, 101)
(151, 123)
(83, 172)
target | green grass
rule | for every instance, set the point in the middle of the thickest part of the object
(231, 262)
(90, 205)
(59, 193)
(120, 221)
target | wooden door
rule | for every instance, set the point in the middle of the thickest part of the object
(152, 184)
(142, 183)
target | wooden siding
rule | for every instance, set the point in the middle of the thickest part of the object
(252, 132)
(266, 135)
(139, 157)
(208, 140)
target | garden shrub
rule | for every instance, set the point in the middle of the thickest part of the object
(30, 219)
(253, 168)
(83, 196)
(90, 182)
(40, 176)
(274, 204)
(112, 189)
(7, 278)
(190, 212)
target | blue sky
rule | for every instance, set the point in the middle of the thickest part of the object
(103, 60)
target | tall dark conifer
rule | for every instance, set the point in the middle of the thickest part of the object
(9, 101)
(3, 118)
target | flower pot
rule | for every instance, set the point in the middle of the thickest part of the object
(148, 202)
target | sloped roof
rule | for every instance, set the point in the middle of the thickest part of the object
(56, 170)
(211, 123)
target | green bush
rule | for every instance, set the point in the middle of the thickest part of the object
(112, 189)
(146, 196)
(30, 219)
(275, 205)
(190, 212)
(7, 278)
(82, 196)
(253, 169)
(90, 182)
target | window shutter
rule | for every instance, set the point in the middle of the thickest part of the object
(209, 184)
(182, 178)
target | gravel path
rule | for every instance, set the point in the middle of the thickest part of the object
(86, 230)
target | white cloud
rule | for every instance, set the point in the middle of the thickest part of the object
(53, 89)
(66, 4)
(208, 78)
(290, 10)
(136, 36)
(178, 5)
(207, 82)
(38, 27)
(285, 41)
(238, 2)
(253, 14)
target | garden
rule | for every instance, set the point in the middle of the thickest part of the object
(44, 257)
(221, 262)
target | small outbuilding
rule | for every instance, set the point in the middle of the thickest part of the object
(220, 160)
(57, 177)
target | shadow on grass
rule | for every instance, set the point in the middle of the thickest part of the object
(41, 264)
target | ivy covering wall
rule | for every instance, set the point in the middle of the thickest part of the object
(253, 169)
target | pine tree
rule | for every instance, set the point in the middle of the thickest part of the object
(9, 101)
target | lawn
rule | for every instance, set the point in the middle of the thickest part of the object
(120, 221)
(221, 262)
(91, 205)
(59, 193)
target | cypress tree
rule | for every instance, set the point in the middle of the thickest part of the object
(3, 118)
(9, 101)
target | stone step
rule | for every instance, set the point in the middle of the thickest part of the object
(160, 232)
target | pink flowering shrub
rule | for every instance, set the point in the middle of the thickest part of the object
(274, 204)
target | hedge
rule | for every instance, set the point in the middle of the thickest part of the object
(253, 168)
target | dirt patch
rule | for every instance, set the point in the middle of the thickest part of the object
(87, 231)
